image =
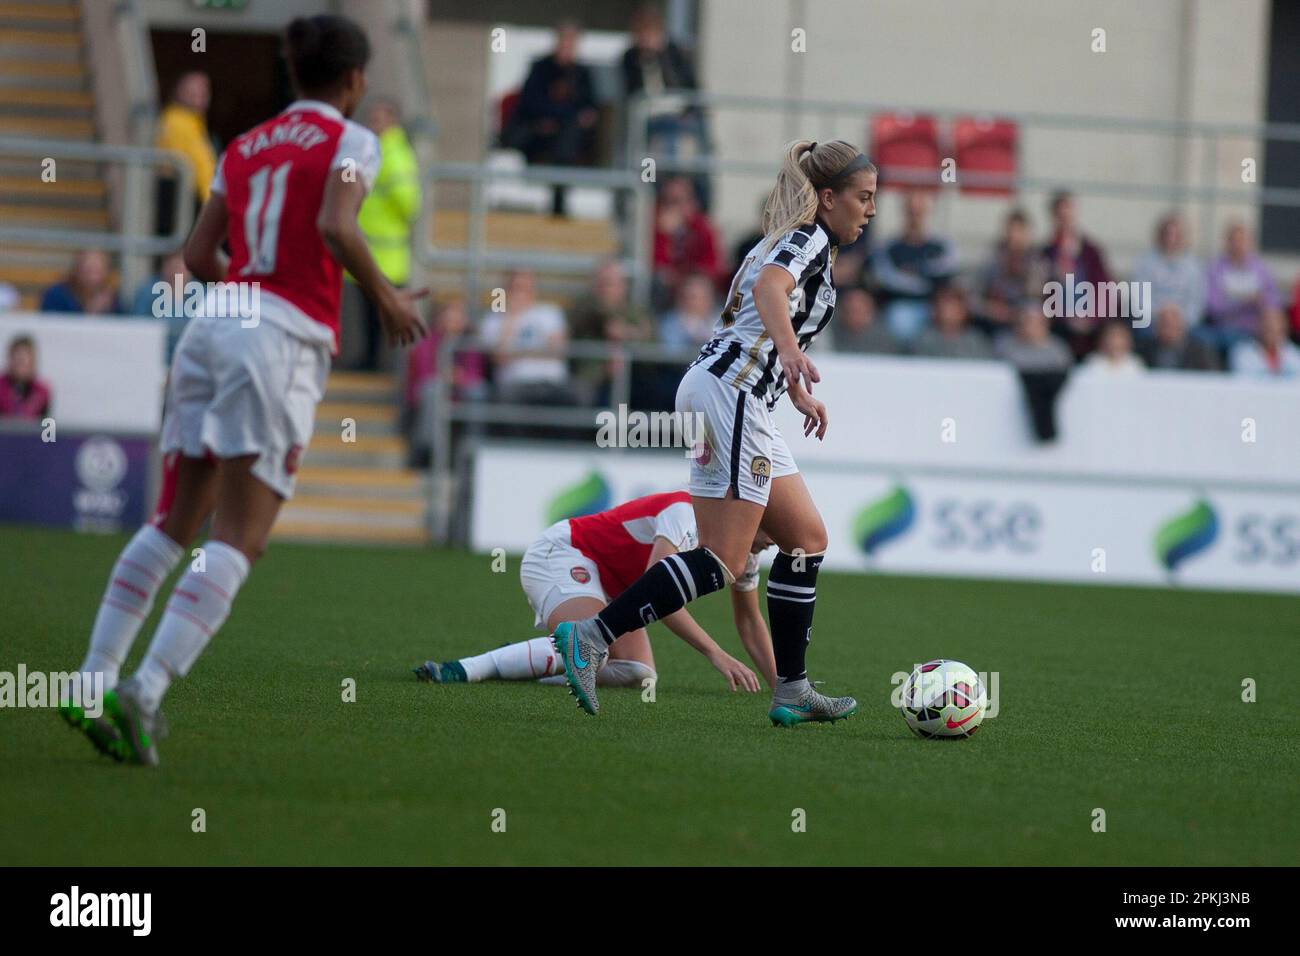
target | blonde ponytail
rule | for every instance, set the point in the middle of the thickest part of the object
(808, 166)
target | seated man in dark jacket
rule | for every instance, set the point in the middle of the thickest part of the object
(555, 121)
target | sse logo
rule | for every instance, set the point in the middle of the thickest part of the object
(986, 525)
(1271, 538)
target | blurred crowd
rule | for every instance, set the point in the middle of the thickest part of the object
(903, 288)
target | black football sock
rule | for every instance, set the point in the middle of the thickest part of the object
(791, 598)
(667, 586)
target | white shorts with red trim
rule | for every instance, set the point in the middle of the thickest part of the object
(237, 390)
(554, 571)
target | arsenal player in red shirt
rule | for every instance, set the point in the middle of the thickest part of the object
(578, 565)
(243, 388)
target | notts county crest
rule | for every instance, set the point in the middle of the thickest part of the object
(761, 469)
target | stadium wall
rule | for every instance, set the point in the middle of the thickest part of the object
(104, 374)
(1195, 60)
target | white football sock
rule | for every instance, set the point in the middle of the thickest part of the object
(624, 674)
(141, 568)
(524, 660)
(198, 607)
(615, 674)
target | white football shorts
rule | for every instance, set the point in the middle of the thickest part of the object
(237, 390)
(554, 571)
(743, 448)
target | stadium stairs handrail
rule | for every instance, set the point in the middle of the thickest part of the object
(131, 242)
(475, 257)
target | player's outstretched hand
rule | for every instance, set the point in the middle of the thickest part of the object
(799, 370)
(736, 673)
(814, 412)
(401, 318)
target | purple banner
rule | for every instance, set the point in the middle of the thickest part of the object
(89, 482)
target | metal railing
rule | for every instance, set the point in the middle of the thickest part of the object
(132, 29)
(475, 257)
(1209, 195)
(131, 239)
(448, 412)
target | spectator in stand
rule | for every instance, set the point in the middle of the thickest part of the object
(848, 269)
(1171, 346)
(1270, 354)
(606, 314)
(88, 290)
(527, 343)
(22, 394)
(183, 127)
(684, 241)
(1114, 354)
(1240, 289)
(1071, 253)
(690, 324)
(1032, 347)
(554, 122)
(147, 302)
(950, 336)
(468, 378)
(653, 64)
(9, 298)
(854, 327)
(387, 218)
(909, 269)
(1013, 279)
(1175, 274)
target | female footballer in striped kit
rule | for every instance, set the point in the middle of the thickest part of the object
(744, 478)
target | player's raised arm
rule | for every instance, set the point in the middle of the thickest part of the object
(338, 226)
(750, 625)
(203, 255)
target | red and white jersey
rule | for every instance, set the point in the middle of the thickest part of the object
(273, 179)
(619, 540)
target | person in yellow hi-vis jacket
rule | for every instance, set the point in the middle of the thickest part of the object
(183, 126)
(388, 214)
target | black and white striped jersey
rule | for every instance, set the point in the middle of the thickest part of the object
(741, 351)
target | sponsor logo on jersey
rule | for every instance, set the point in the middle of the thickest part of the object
(761, 469)
(580, 574)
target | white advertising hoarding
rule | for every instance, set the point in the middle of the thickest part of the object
(104, 374)
(891, 520)
(930, 468)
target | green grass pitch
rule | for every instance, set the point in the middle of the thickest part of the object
(1123, 699)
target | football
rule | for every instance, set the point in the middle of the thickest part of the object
(944, 700)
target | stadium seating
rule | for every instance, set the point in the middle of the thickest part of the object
(45, 93)
(988, 146)
(905, 147)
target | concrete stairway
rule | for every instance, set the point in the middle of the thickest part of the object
(45, 94)
(357, 490)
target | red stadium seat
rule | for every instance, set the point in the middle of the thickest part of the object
(985, 145)
(906, 146)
